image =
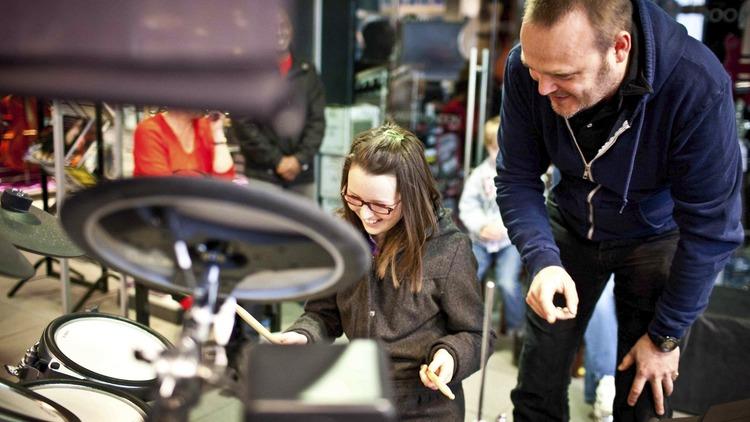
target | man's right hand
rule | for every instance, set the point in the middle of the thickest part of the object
(290, 337)
(547, 282)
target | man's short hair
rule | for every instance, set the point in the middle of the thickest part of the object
(607, 17)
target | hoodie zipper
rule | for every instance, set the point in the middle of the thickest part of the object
(587, 175)
(589, 198)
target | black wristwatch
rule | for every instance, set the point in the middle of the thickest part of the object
(664, 343)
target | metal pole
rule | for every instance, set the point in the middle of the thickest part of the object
(118, 145)
(58, 140)
(414, 102)
(489, 301)
(482, 105)
(493, 51)
(470, 110)
(318, 34)
(117, 173)
(44, 179)
(99, 140)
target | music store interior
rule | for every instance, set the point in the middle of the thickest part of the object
(171, 177)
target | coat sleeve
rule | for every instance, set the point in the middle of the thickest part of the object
(470, 205)
(706, 175)
(207, 136)
(315, 122)
(461, 303)
(258, 147)
(521, 162)
(321, 321)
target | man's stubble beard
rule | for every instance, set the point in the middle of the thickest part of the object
(603, 78)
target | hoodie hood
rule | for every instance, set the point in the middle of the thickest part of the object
(659, 33)
(655, 34)
(666, 64)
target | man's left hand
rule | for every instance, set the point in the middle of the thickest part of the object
(653, 365)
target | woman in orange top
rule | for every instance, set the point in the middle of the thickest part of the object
(181, 142)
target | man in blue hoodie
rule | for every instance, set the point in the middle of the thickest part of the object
(639, 119)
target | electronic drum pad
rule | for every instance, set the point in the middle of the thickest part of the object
(274, 245)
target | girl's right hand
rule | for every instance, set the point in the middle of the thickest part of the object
(291, 337)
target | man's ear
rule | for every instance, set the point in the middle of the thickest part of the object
(623, 44)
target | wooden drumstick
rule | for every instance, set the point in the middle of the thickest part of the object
(440, 384)
(257, 326)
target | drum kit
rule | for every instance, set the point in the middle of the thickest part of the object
(220, 243)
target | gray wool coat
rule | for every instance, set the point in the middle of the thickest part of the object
(446, 313)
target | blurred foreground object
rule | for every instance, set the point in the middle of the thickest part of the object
(173, 52)
(270, 245)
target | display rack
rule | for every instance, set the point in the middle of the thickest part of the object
(93, 116)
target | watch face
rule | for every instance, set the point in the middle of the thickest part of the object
(664, 343)
(668, 344)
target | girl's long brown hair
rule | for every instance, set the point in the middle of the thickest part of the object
(391, 149)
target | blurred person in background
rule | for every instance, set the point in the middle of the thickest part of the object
(491, 245)
(286, 161)
(182, 142)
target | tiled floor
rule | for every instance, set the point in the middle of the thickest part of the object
(24, 317)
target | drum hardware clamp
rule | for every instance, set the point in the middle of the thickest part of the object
(29, 361)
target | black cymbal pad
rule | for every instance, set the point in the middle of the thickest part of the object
(33, 229)
(12, 263)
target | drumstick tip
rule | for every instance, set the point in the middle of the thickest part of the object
(440, 384)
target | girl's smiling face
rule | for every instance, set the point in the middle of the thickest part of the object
(380, 191)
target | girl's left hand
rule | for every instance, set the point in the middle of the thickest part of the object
(442, 365)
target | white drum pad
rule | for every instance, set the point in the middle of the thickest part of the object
(24, 405)
(107, 346)
(92, 405)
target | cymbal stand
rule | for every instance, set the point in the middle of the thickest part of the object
(489, 300)
(66, 273)
(182, 370)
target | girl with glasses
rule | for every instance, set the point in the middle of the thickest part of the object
(421, 299)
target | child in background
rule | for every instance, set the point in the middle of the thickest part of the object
(491, 245)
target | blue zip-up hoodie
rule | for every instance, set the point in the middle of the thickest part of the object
(672, 161)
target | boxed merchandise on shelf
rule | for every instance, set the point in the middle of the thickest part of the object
(330, 205)
(343, 123)
(330, 175)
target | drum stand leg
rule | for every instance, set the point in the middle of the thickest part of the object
(77, 278)
(99, 284)
(142, 312)
(274, 312)
(183, 370)
(489, 299)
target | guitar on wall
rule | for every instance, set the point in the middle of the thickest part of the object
(19, 130)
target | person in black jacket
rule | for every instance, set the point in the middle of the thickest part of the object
(271, 157)
(282, 160)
